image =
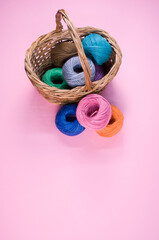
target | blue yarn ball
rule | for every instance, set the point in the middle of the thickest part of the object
(66, 121)
(73, 72)
(97, 48)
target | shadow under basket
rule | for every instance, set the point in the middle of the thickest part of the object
(38, 60)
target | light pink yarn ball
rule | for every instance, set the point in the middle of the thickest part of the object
(94, 112)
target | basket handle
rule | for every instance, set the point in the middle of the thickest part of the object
(77, 41)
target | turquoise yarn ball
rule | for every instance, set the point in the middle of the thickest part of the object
(97, 48)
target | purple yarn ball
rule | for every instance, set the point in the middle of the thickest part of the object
(99, 72)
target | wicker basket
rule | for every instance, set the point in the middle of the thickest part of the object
(38, 60)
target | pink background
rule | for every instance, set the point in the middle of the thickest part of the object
(85, 187)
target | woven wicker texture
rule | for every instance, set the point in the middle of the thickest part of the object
(38, 60)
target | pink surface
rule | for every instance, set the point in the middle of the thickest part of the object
(85, 187)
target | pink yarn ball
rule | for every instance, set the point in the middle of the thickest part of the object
(94, 112)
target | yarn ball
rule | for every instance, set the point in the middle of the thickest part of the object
(61, 52)
(73, 72)
(99, 72)
(102, 70)
(97, 48)
(94, 112)
(67, 122)
(109, 64)
(54, 78)
(115, 124)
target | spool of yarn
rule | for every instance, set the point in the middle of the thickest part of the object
(114, 125)
(99, 72)
(54, 78)
(102, 70)
(73, 72)
(62, 52)
(67, 122)
(108, 64)
(94, 112)
(97, 48)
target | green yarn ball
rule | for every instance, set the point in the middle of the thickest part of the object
(54, 78)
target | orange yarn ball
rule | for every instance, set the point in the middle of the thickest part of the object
(115, 124)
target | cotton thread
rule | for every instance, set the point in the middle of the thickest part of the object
(94, 112)
(62, 52)
(99, 72)
(67, 122)
(54, 78)
(102, 70)
(110, 62)
(97, 48)
(73, 72)
(115, 124)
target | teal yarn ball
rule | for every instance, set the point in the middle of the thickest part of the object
(97, 48)
(67, 122)
(54, 78)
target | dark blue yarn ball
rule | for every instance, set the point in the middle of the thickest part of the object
(66, 121)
